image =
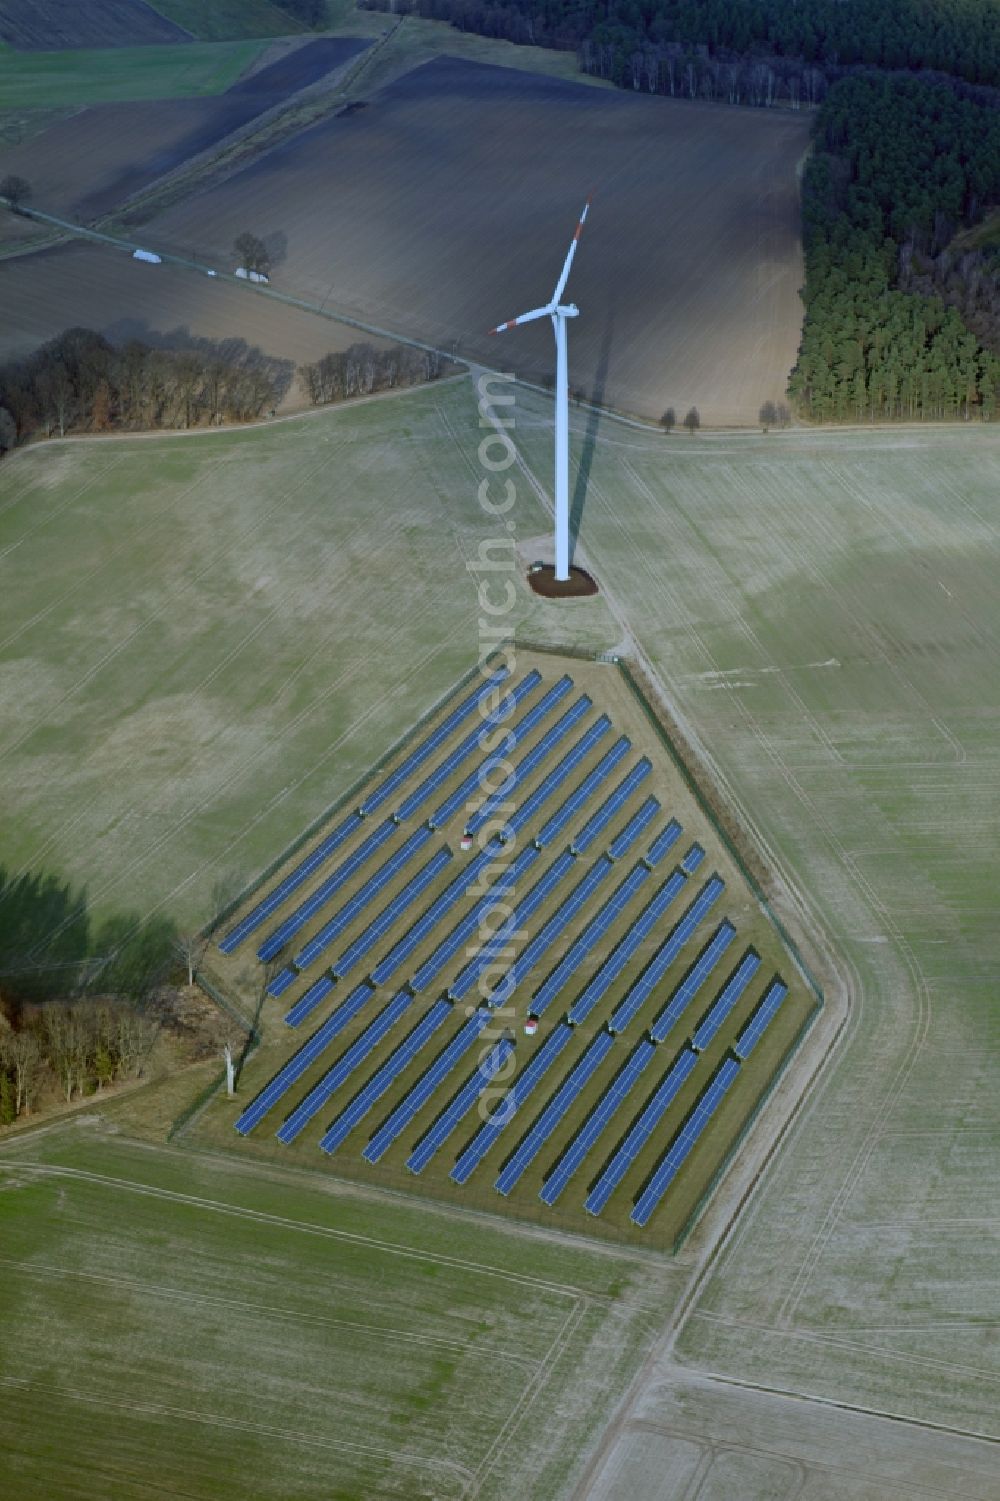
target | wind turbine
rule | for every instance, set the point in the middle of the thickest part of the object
(559, 312)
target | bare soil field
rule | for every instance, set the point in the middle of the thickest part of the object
(103, 288)
(50, 25)
(86, 164)
(446, 205)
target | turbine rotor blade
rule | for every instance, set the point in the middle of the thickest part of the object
(564, 278)
(538, 312)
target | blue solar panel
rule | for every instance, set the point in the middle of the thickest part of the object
(603, 919)
(325, 890)
(470, 743)
(640, 820)
(460, 1105)
(649, 1118)
(598, 822)
(292, 882)
(425, 1086)
(353, 1113)
(727, 999)
(342, 1070)
(318, 991)
(436, 738)
(341, 919)
(463, 885)
(692, 982)
(530, 1145)
(692, 859)
(670, 1163)
(580, 796)
(530, 1075)
(390, 914)
(547, 934)
(600, 982)
(758, 1023)
(347, 826)
(281, 982)
(664, 842)
(667, 952)
(596, 1122)
(475, 780)
(300, 1061)
(469, 924)
(553, 779)
(496, 946)
(528, 764)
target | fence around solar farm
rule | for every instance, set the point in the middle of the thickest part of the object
(588, 1137)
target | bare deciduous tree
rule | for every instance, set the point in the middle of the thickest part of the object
(16, 190)
(253, 254)
(192, 947)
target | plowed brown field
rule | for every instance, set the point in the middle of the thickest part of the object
(446, 205)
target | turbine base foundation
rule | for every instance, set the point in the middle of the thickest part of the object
(544, 582)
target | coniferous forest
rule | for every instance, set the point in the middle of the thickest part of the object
(902, 296)
(899, 166)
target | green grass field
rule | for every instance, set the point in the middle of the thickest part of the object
(232, 624)
(46, 80)
(171, 1324)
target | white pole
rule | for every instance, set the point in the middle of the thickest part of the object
(227, 1053)
(562, 449)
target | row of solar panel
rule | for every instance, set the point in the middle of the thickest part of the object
(317, 899)
(392, 867)
(502, 1052)
(322, 852)
(470, 1091)
(340, 920)
(460, 933)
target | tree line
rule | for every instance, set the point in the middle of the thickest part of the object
(75, 995)
(960, 37)
(79, 382)
(79, 1047)
(899, 165)
(362, 369)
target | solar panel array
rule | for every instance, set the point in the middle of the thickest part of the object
(397, 1062)
(761, 1019)
(332, 842)
(642, 1129)
(528, 1149)
(345, 1065)
(425, 1086)
(460, 1105)
(524, 1085)
(676, 1154)
(599, 1118)
(725, 1001)
(512, 738)
(667, 952)
(487, 931)
(692, 982)
(599, 983)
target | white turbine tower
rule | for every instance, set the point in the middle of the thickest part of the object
(559, 312)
